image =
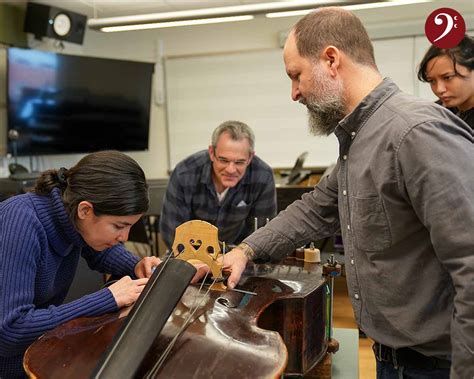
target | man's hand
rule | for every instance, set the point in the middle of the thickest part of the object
(144, 268)
(234, 261)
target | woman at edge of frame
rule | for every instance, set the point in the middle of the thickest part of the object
(450, 75)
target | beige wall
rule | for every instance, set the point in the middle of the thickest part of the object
(257, 34)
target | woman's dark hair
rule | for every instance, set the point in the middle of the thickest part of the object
(462, 54)
(111, 181)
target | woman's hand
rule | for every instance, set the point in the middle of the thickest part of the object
(126, 291)
(145, 267)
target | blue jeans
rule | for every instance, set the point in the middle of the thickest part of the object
(385, 370)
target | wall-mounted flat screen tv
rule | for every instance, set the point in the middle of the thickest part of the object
(63, 104)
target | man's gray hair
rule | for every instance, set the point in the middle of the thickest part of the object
(237, 131)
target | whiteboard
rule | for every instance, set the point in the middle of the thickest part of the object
(204, 91)
(395, 59)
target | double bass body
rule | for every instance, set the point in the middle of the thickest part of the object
(281, 330)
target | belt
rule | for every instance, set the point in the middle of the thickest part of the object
(409, 358)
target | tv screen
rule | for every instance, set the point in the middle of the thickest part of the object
(62, 104)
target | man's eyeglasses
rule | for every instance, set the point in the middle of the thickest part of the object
(240, 163)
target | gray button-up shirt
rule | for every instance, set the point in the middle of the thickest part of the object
(402, 193)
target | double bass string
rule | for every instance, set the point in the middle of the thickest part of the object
(193, 309)
(154, 370)
(138, 307)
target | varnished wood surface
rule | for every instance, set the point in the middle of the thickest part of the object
(227, 335)
(56, 355)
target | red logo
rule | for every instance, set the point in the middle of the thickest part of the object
(445, 28)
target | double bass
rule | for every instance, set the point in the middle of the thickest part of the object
(274, 324)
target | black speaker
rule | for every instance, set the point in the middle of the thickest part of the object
(47, 21)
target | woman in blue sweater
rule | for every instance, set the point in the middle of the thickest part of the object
(87, 210)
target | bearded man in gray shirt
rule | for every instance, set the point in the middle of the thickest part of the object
(402, 194)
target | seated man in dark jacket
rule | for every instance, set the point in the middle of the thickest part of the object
(227, 186)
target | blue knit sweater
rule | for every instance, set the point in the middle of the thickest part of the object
(39, 253)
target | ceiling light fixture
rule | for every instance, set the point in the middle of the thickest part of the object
(351, 7)
(170, 24)
(206, 15)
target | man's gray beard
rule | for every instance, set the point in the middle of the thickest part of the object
(324, 115)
